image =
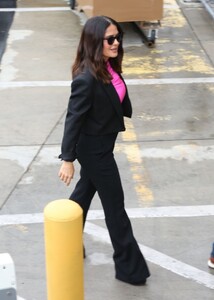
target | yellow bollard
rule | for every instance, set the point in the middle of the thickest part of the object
(64, 250)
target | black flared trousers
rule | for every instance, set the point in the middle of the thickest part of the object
(99, 173)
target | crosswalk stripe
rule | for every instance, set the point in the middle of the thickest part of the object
(134, 213)
(156, 81)
(158, 258)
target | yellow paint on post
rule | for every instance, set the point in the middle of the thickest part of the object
(64, 250)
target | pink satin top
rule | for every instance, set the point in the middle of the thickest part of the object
(117, 83)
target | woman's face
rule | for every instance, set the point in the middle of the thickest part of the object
(110, 50)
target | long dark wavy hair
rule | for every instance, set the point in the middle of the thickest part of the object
(90, 49)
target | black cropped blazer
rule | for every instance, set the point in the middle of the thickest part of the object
(94, 108)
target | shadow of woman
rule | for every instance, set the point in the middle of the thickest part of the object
(6, 19)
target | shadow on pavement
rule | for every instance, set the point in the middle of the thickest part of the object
(6, 19)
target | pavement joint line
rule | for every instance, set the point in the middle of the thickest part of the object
(156, 81)
(133, 213)
(171, 264)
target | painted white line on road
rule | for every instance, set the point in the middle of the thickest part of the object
(169, 81)
(158, 258)
(35, 9)
(135, 213)
(161, 212)
(22, 155)
(101, 235)
(21, 219)
(48, 155)
(190, 153)
(157, 81)
(22, 84)
(20, 298)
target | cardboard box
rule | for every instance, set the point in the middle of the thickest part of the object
(124, 10)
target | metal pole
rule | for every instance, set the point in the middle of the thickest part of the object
(64, 250)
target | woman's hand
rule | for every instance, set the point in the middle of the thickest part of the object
(66, 172)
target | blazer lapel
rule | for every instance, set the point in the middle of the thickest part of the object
(114, 98)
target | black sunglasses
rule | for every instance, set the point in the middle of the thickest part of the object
(110, 39)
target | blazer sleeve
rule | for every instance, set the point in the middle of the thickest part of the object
(79, 104)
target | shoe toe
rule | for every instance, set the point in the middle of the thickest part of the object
(210, 264)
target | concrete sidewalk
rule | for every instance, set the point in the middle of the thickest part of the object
(166, 156)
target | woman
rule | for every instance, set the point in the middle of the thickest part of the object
(99, 100)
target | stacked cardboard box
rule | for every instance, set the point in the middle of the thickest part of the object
(124, 10)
